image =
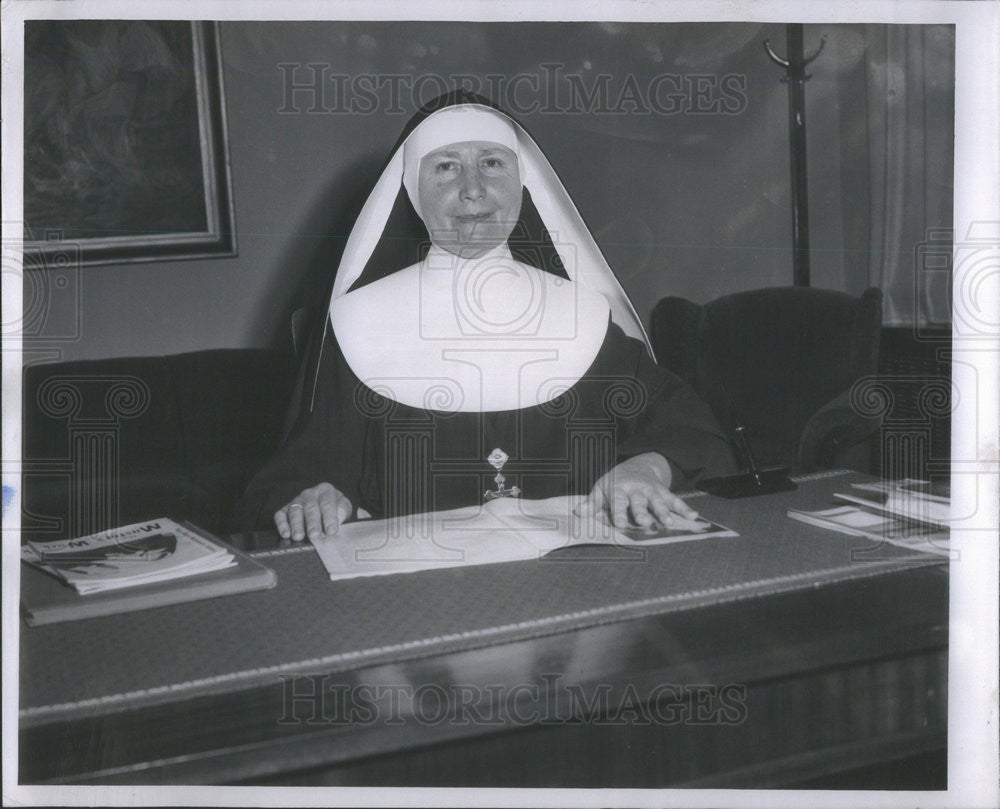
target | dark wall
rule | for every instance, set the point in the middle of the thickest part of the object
(691, 202)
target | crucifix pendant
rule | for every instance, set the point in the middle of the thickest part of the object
(497, 459)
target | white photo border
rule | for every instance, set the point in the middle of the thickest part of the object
(973, 649)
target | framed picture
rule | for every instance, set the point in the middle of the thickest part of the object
(125, 146)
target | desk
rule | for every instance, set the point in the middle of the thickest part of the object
(801, 676)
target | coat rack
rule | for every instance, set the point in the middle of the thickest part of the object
(796, 77)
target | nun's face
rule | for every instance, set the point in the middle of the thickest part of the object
(470, 196)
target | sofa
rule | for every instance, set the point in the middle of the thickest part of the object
(114, 441)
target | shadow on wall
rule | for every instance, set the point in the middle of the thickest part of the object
(305, 270)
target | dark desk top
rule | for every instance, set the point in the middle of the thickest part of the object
(781, 596)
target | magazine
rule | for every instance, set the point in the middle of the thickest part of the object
(141, 553)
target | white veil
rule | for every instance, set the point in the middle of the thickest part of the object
(577, 250)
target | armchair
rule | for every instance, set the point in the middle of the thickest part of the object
(779, 361)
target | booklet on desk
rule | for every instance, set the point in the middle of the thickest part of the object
(905, 506)
(134, 567)
(913, 514)
(503, 530)
(878, 526)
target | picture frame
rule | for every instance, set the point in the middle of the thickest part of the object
(104, 180)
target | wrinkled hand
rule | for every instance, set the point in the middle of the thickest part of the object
(637, 492)
(316, 511)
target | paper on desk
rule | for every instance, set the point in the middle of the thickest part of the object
(878, 526)
(503, 530)
(907, 507)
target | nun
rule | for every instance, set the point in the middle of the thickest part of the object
(477, 345)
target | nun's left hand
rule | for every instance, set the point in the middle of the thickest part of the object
(637, 492)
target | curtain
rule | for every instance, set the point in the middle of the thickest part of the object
(910, 112)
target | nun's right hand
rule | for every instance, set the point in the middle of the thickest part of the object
(316, 511)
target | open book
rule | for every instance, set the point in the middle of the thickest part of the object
(502, 530)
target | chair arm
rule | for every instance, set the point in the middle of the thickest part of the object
(834, 427)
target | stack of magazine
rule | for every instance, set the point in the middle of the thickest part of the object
(142, 553)
(914, 514)
(135, 567)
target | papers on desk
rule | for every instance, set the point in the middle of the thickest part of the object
(938, 491)
(911, 514)
(503, 530)
(141, 553)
